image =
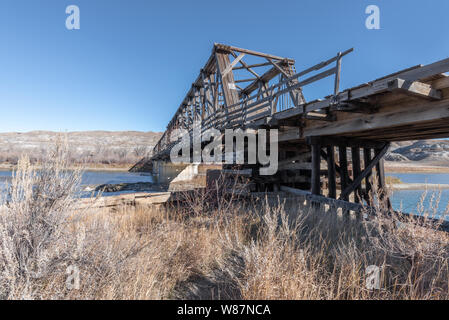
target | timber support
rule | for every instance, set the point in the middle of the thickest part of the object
(349, 174)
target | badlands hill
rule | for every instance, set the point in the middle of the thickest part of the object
(85, 146)
(422, 151)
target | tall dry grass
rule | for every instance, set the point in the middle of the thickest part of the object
(208, 246)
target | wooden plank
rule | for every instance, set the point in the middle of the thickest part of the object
(321, 199)
(316, 160)
(331, 172)
(295, 166)
(343, 160)
(355, 153)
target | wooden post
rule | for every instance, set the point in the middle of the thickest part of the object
(382, 184)
(368, 187)
(343, 168)
(331, 172)
(316, 159)
(337, 75)
(355, 151)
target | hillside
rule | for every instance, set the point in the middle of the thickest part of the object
(102, 147)
(423, 151)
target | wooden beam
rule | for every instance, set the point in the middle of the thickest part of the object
(409, 114)
(342, 141)
(368, 187)
(337, 167)
(382, 185)
(357, 207)
(355, 153)
(232, 64)
(316, 161)
(331, 172)
(223, 47)
(321, 199)
(253, 66)
(227, 81)
(343, 160)
(358, 180)
(415, 88)
(277, 67)
(354, 106)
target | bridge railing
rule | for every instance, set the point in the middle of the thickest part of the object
(255, 109)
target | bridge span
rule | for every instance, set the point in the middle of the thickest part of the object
(330, 148)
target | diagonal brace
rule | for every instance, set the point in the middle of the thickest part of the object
(358, 180)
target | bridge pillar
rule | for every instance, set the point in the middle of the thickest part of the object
(346, 175)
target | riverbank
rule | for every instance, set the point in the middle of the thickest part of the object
(86, 167)
(413, 167)
(418, 186)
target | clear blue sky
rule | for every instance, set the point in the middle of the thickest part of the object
(131, 63)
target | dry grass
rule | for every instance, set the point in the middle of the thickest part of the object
(208, 247)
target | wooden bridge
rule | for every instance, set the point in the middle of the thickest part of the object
(328, 148)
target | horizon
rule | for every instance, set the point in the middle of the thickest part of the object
(129, 66)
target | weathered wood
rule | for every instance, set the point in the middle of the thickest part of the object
(232, 64)
(337, 75)
(356, 170)
(316, 160)
(321, 199)
(368, 186)
(342, 158)
(331, 172)
(227, 81)
(347, 142)
(416, 88)
(223, 47)
(368, 168)
(382, 184)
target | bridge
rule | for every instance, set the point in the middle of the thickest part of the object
(329, 149)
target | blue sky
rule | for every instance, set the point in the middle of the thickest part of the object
(131, 63)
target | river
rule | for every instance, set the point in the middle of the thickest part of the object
(408, 200)
(96, 178)
(405, 200)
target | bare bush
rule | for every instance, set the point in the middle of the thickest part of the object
(210, 244)
(33, 224)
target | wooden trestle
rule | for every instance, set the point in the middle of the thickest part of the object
(330, 150)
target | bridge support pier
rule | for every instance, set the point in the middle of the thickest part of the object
(346, 175)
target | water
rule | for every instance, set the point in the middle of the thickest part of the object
(95, 178)
(405, 200)
(408, 200)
